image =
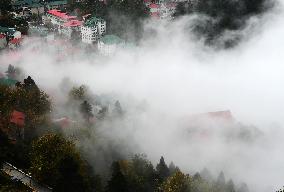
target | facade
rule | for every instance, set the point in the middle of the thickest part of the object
(92, 30)
(108, 44)
(71, 27)
(3, 41)
(65, 24)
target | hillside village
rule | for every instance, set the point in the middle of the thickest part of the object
(48, 146)
(54, 20)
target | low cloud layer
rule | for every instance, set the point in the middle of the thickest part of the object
(173, 76)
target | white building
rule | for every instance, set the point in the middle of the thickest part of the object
(70, 27)
(108, 44)
(93, 29)
(57, 18)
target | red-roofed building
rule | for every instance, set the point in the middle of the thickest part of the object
(14, 43)
(66, 24)
(18, 118)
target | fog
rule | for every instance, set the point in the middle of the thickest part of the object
(174, 76)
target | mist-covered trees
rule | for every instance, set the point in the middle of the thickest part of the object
(124, 18)
(162, 169)
(86, 111)
(222, 16)
(117, 182)
(178, 182)
(27, 99)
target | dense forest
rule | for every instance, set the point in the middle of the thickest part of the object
(40, 145)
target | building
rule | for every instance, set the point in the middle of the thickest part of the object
(3, 41)
(167, 10)
(50, 4)
(70, 28)
(92, 30)
(63, 23)
(108, 44)
(58, 18)
(11, 33)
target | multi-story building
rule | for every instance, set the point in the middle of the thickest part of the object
(93, 29)
(108, 44)
(64, 23)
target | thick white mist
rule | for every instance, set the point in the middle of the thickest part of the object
(178, 77)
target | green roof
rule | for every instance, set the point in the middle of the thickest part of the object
(10, 31)
(92, 21)
(57, 3)
(111, 39)
(8, 82)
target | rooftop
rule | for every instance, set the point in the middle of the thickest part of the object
(92, 21)
(73, 23)
(58, 13)
(111, 39)
(7, 82)
(10, 31)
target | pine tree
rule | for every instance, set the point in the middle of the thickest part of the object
(86, 110)
(11, 72)
(117, 183)
(230, 186)
(117, 111)
(162, 169)
(221, 179)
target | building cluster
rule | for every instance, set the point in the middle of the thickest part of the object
(162, 9)
(9, 37)
(91, 30)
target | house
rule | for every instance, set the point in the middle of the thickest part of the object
(92, 30)
(7, 81)
(70, 27)
(50, 4)
(17, 123)
(64, 23)
(58, 18)
(14, 43)
(3, 41)
(11, 33)
(108, 44)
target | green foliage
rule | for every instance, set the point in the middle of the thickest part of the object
(141, 175)
(117, 182)
(162, 169)
(176, 183)
(4, 147)
(78, 93)
(55, 161)
(30, 100)
(5, 6)
(86, 110)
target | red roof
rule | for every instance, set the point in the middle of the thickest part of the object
(72, 23)
(225, 115)
(154, 6)
(2, 36)
(18, 118)
(147, 1)
(58, 13)
(155, 15)
(218, 115)
(15, 41)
